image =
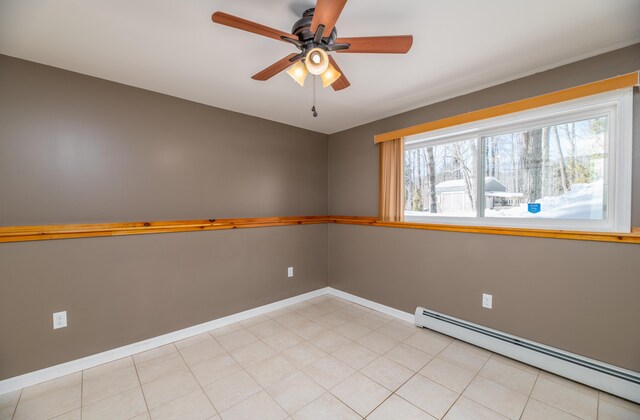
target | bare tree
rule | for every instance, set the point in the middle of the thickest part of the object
(433, 205)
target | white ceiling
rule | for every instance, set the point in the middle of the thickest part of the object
(172, 47)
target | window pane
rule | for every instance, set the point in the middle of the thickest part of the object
(550, 172)
(440, 180)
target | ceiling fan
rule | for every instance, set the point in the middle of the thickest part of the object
(315, 35)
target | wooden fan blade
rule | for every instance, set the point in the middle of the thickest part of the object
(275, 68)
(327, 13)
(249, 26)
(399, 44)
(342, 82)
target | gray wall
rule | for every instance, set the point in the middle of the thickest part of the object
(578, 296)
(77, 149)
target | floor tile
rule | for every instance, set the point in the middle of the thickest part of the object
(427, 395)
(253, 321)
(516, 364)
(169, 388)
(99, 387)
(569, 383)
(303, 354)
(328, 371)
(215, 369)
(610, 411)
(509, 376)
(360, 393)
(395, 408)
(202, 351)
(227, 329)
(107, 368)
(53, 385)
(196, 339)
(51, 404)
(387, 373)
(194, 405)
(464, 356)
(324, 408)
(236, 339)
(465, 409)
(291, 319)
(373, 320)
(252, 353)
(498, 398)
(398, 330)
(154, 353)
(352, 330)
(355, 355)
(8, 404)
(295, 391)
(308, 329)
(271, 370)
(565, 398)
(266, 328)
(261, 406)
(333, 319)
(71, 415)
(428, 341)
(330, 341)
(158, 367)
(619, 401)
(283, 340)
(377, 342)
(409, 356)
(445, 373)
(231, 390)
(120, 406)
(536, 410)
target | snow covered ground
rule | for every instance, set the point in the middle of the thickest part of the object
(583, 202)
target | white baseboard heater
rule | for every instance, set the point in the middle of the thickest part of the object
(612, 379)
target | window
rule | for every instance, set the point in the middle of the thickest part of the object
(565, 166)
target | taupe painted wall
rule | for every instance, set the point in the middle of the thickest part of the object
(78, 149)
(578, 296)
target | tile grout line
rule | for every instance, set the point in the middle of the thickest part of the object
(194, 375)
(529, 398)
(470, 382)
(15, 409)
(144, 397)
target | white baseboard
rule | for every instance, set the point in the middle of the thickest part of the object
(396, 313)
(63, 369)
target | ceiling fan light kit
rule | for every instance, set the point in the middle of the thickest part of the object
(315, 35)
(298, 72)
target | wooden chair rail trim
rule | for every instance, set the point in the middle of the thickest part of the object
(601, 86)
(50, 232)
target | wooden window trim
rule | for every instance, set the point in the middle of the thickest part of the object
(594, 88)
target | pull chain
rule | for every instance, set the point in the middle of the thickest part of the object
(313, 108)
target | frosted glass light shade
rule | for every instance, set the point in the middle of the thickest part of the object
(298, 72)
(329, 76)
(316, 61)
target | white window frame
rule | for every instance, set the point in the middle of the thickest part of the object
(616, 105)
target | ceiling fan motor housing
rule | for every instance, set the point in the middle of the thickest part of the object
(302, 29)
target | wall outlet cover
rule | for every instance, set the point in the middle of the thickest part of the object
(487, 301)
(59, 320)
(290, 272)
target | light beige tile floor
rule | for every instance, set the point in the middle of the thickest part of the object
(325, 358)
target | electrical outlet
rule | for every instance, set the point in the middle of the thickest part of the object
(59, 320)
(290, 272)
(487, 301)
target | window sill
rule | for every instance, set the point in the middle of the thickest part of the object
(627, 238)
